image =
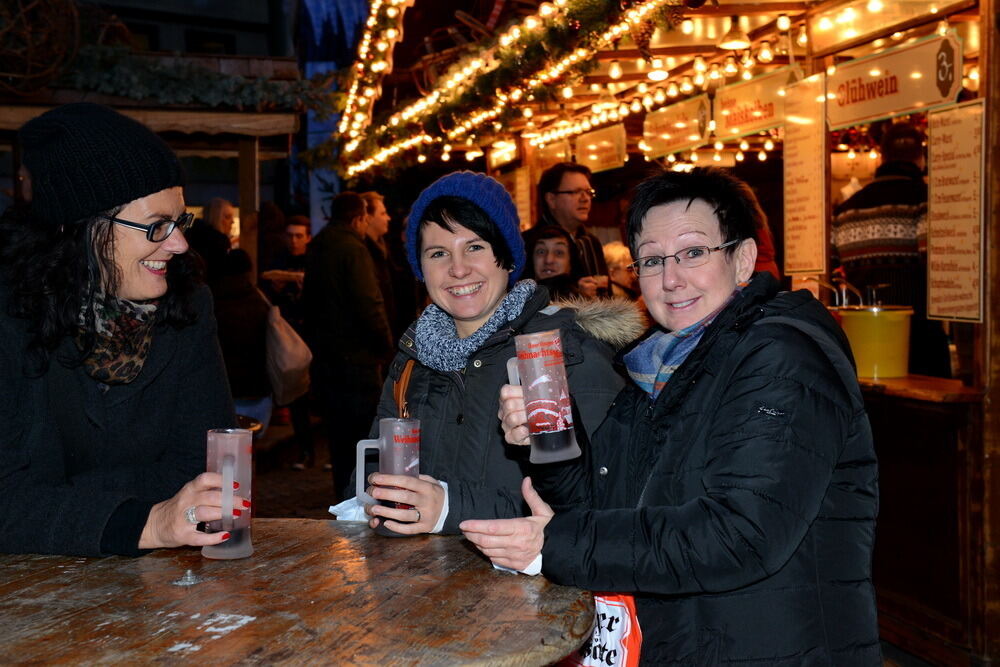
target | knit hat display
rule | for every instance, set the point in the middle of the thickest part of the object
(86, 158)
(486, 193)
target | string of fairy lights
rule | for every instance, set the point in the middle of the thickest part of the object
(383, 29)
(667, 80)
(462, 76)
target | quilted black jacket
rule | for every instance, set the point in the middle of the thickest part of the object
(461, 441)
(739, 506)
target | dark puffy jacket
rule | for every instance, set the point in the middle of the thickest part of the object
(461, 441)
(241, 313)
(739, 506)
(344, 312)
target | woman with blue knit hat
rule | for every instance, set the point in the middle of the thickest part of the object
(464, 243)
(110, 368)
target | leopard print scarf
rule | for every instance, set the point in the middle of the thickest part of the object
(124, 333)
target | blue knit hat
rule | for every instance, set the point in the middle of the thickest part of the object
(484, 192)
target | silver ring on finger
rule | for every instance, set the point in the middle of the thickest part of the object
(418, 515)
(189, 514)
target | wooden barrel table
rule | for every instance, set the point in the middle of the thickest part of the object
(313, 592)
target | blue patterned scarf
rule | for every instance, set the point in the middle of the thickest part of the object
(438, 344)
(651, 363)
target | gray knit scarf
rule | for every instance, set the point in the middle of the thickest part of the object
(438, 344)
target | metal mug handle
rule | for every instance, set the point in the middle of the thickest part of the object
(359, 470)
(513, 375)
(228, 476)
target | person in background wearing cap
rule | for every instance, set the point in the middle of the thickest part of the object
(463, 242)
(110, 367)
(880, 240)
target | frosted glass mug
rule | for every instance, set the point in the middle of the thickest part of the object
(230, 453)
(398, 447)
(540, 369)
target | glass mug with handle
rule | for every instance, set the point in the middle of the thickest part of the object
(398, 447)
(230, 453)
(539, 367)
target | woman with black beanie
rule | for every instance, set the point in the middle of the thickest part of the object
(110, 368)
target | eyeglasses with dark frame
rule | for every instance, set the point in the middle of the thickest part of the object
(688, 258)
(590, 192)
(158, 231)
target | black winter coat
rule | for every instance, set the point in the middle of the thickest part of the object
(740, 505)
(461, 441)
(79, 460)
(241, 312)
(344, 312)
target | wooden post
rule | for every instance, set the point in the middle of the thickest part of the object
(19, 178)
(989, 347)
(249, 171)
(529, 161)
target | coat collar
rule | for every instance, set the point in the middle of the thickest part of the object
(538, 300)
(719, 339)
(75, 380)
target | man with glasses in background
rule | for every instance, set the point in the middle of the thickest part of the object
(564, 198)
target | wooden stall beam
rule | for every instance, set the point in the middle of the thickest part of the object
(988, 343)
(228, 154)
(945, 13)
(757, 9)
(211, 122)
(657, 51)
(249, 175)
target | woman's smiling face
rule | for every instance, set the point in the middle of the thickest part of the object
(679, 297)
(461, 275)
(142, 264)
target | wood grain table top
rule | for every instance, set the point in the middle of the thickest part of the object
(314, 592)
(923, 388)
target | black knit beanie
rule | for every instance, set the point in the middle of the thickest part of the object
(86, 158)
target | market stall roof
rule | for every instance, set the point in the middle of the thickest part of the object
(191, 128)
(547, 71)
(187, 121)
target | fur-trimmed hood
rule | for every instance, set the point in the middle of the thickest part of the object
(615, 321)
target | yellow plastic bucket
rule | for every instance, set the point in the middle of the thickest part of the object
(880, 339)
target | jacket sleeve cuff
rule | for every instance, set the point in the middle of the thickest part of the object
(559, 547)
(439, 526)
(124, 528)
(534, 567)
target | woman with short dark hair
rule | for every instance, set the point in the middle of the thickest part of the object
(110, 365)
(732, 489)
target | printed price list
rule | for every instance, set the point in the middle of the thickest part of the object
(955, 213)
(805, 177)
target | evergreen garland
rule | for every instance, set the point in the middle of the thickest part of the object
(115, 70)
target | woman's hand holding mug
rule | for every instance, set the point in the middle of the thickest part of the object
(513, 415)
(423, 494)
(169, 523)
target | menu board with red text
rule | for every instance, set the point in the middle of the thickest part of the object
(955, 210)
